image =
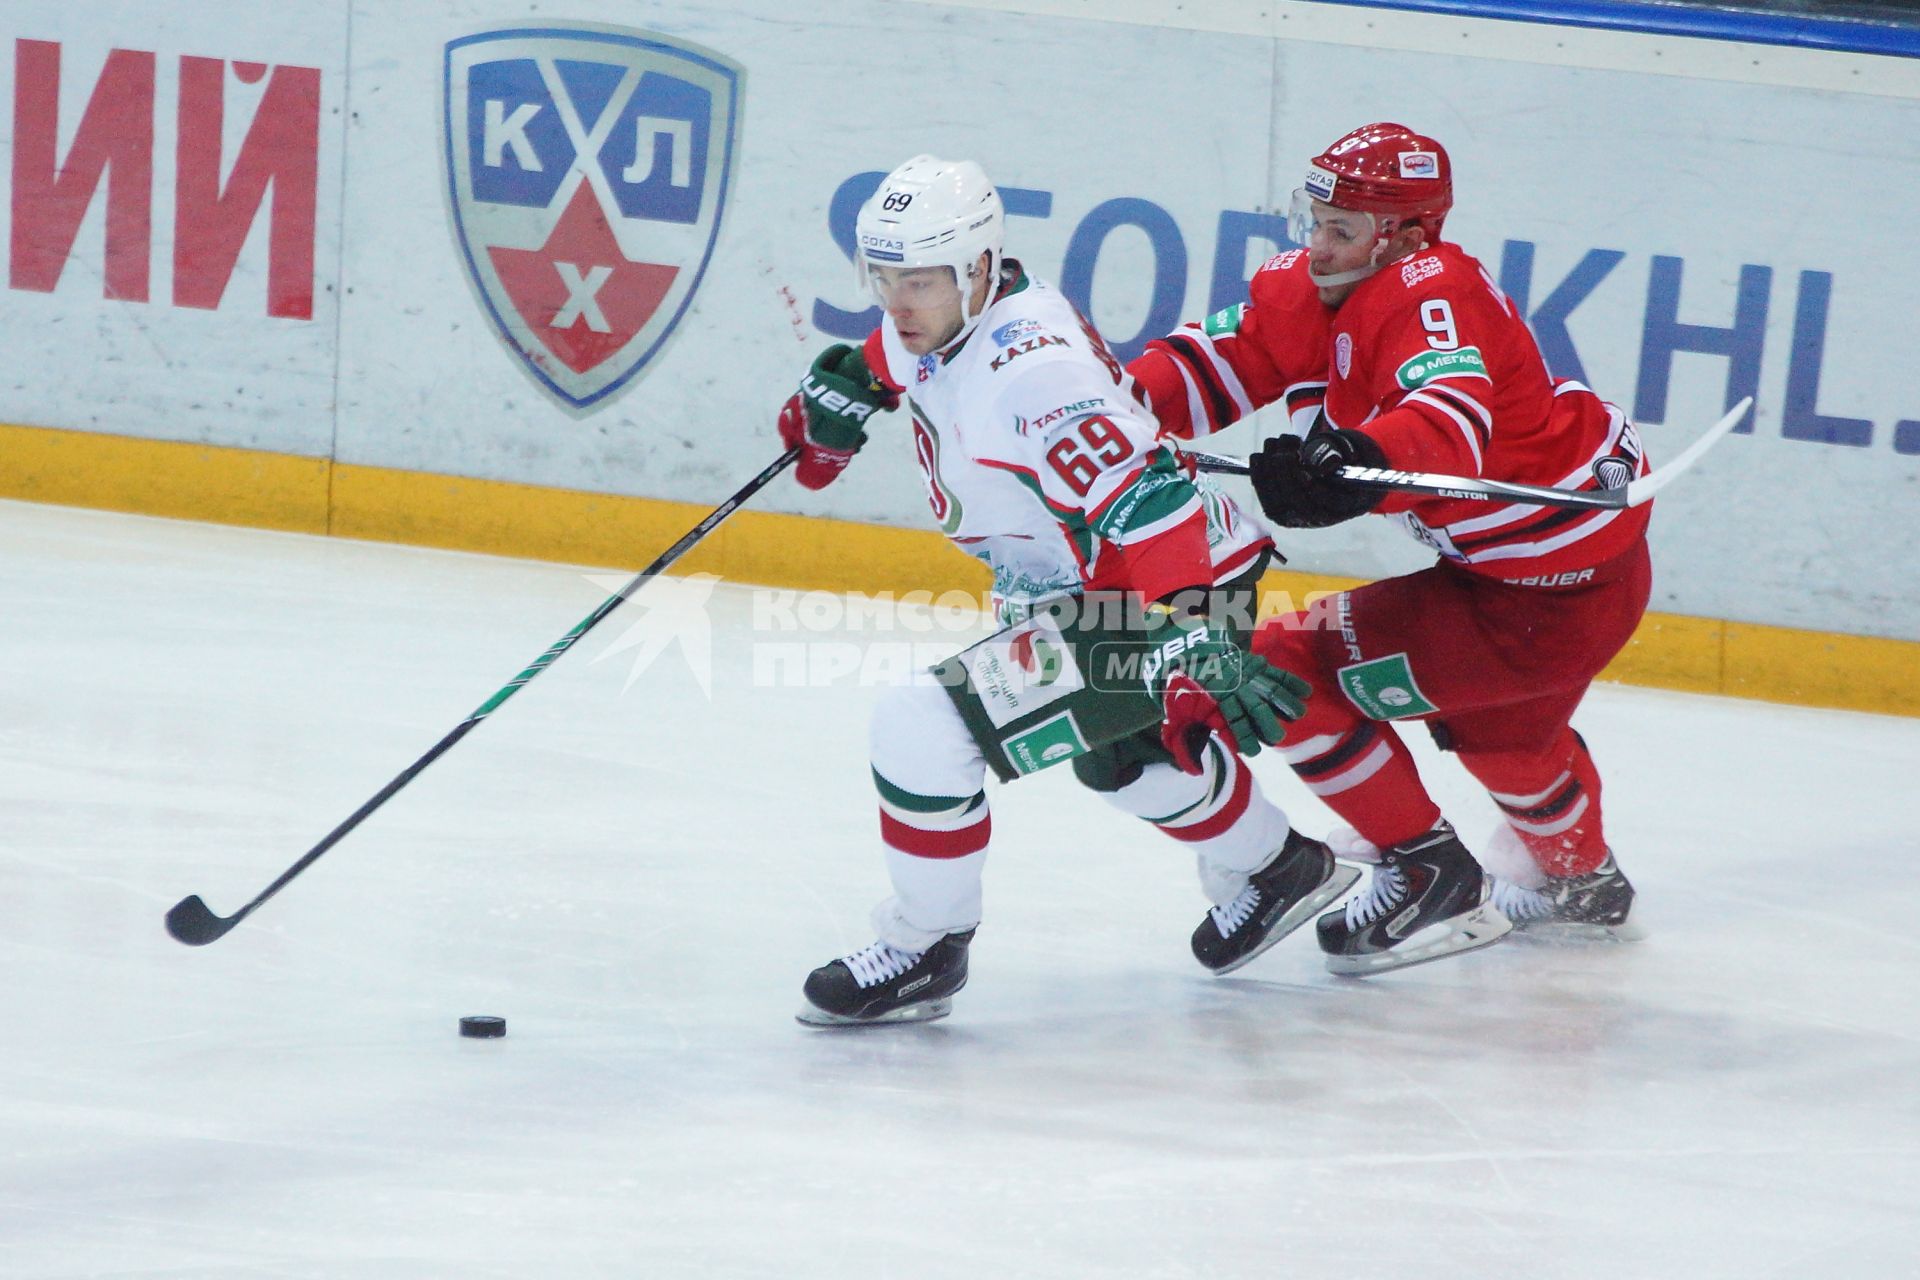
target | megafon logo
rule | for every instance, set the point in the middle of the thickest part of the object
(588, 169)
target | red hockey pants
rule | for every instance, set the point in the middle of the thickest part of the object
(1495, 669)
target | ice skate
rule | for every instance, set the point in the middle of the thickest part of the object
(885, 984)
(1301, 879)
(1600, 901)
(1427, 900)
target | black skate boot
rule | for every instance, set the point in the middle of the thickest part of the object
(1301, 879)
(886, 984)
(1427, 900)
(1601, 899)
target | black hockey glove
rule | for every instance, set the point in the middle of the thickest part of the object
(1297, 481)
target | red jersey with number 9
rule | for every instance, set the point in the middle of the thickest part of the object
(1431, 359)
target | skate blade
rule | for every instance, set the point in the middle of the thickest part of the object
(1469, 931)
(1628, 930)
(1331, 889)
(926, 1012)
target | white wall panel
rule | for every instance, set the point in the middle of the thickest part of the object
(1612, 179)
(426, 384)
(177, 357)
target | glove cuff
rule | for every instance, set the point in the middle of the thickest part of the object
(819, 466)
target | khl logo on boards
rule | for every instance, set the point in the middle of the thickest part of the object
(588, 168)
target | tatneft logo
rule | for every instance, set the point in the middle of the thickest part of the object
(588, 168)
(1034, 426)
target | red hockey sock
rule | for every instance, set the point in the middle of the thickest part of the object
(1366, 775)
(1552, 802)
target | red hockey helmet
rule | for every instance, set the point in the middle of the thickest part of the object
(1386, 169)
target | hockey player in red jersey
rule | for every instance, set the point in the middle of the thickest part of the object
(1392, 348)
(1039, 461)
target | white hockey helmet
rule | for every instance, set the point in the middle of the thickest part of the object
(933, 213)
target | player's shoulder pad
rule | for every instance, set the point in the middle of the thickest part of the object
(1282, 283)
(1285, 260)
(1281, 271)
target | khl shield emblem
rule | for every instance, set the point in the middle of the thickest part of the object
(588, 167)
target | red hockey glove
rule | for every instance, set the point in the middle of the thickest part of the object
(824, 418)
(1207, 684)
(1298, 484)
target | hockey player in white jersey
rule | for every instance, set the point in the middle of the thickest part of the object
(1126, 587)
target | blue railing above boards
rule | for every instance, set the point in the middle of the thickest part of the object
(1890, 28)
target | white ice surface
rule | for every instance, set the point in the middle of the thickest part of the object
(638, 882)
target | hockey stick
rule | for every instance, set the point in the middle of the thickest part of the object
(1474, 489)
(193, 923)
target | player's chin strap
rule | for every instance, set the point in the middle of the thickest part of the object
(1341, 277)
(1358, 274)
(1476, 489)
(969, 318)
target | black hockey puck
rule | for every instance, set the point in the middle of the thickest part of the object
(483, 1028)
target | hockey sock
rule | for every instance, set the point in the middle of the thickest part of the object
(934, 819)
(1551, 802)
(1366, 775)
(932, 826)
(936, 848)
(1232, 828)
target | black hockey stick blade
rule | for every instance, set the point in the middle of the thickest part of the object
(192, 922)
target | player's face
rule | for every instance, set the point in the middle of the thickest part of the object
(1341, 240)
(924, 303)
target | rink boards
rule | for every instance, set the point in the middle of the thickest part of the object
(282, 269)
(1670, 651)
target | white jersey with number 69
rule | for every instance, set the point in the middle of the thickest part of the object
(1037, 458)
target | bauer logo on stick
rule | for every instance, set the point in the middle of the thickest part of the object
(587, 171)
